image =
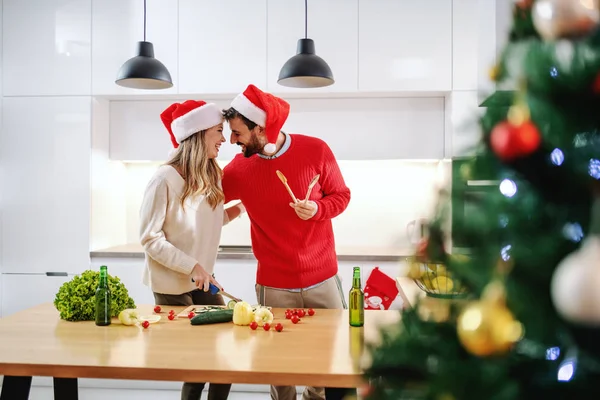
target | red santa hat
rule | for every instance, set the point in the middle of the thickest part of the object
(265, 110)
(182, 120)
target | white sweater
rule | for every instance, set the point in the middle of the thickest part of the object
(174, 238)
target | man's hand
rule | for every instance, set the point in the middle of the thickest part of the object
(202, 279)
(305, 209)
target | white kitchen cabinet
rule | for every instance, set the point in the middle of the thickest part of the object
(22, 291)
(46, 47)
(332, 24)
(46, 195)
(464, 44)
(373, 128)
(391, 128)
(465, 130)
(117, 27)
(405, 45)
(222, 45)
(135, 122)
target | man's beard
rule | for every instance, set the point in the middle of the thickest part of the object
(252, 147)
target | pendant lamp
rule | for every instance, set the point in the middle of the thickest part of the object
(305, 69)
(144, 71)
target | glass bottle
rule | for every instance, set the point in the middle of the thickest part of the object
(357, 301)
(103, 312)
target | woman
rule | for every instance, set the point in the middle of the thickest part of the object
(182, 215)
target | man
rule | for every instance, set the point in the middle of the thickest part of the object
(291, 239)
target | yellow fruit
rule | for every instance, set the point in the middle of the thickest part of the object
(428, 281)
(443, 284)
(440, 269)
(242, 313)
(129, 317)
(414, 270)
(263, 316)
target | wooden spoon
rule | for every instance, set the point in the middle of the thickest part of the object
(311, 186)
(284, 181)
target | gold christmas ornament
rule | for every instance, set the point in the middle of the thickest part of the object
(494, 72)
(554, 19)
(518, 114)
(487, 327)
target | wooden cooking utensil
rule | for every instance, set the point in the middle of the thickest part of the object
(284, 181)
(311, 186)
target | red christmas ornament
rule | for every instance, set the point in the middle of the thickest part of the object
(524, 4)
(509, 141)
(596, 84)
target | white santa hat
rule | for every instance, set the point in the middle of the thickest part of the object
(182, 120)
(264, 110)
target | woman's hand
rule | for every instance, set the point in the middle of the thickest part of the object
(235, 211)
(202, 279)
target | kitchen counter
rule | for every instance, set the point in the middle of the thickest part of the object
(135, 250)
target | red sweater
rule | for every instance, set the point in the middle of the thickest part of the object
(291, 253)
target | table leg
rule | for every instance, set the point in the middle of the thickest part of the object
(65, 389)
(15, 388)
(339, 393)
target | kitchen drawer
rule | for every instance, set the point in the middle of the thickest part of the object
(22, 291)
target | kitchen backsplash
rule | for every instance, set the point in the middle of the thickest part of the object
(386, 196)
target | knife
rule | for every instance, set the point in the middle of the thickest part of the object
(214, 290)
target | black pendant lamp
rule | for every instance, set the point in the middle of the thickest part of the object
(144, 71)
(305, 69)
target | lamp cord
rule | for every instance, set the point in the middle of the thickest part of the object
(144, 20)
(305, 19)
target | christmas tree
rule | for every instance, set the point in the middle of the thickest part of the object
(529, 326)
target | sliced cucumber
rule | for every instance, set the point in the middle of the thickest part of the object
(231, 304)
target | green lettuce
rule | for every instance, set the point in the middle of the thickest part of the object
(75, 299)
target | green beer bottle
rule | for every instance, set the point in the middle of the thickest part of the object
(357, 301)
(103, 314)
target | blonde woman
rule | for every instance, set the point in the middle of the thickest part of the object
(182, 215)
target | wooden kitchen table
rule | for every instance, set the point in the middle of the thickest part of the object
(321, 350)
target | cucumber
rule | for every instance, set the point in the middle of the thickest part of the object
(212, 317)
(231, 304)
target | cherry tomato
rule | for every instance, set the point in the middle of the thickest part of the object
(311, 312)
(295, 319)
(171, 317)
(295, 311)
(253, 325)
(157, 309)
(266, 326)
(278, 327)
(288, 310)
(288, 315)
(191, 315)
(145, 324)
(301, 313)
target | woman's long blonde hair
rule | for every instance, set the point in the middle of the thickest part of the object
(201, 174)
